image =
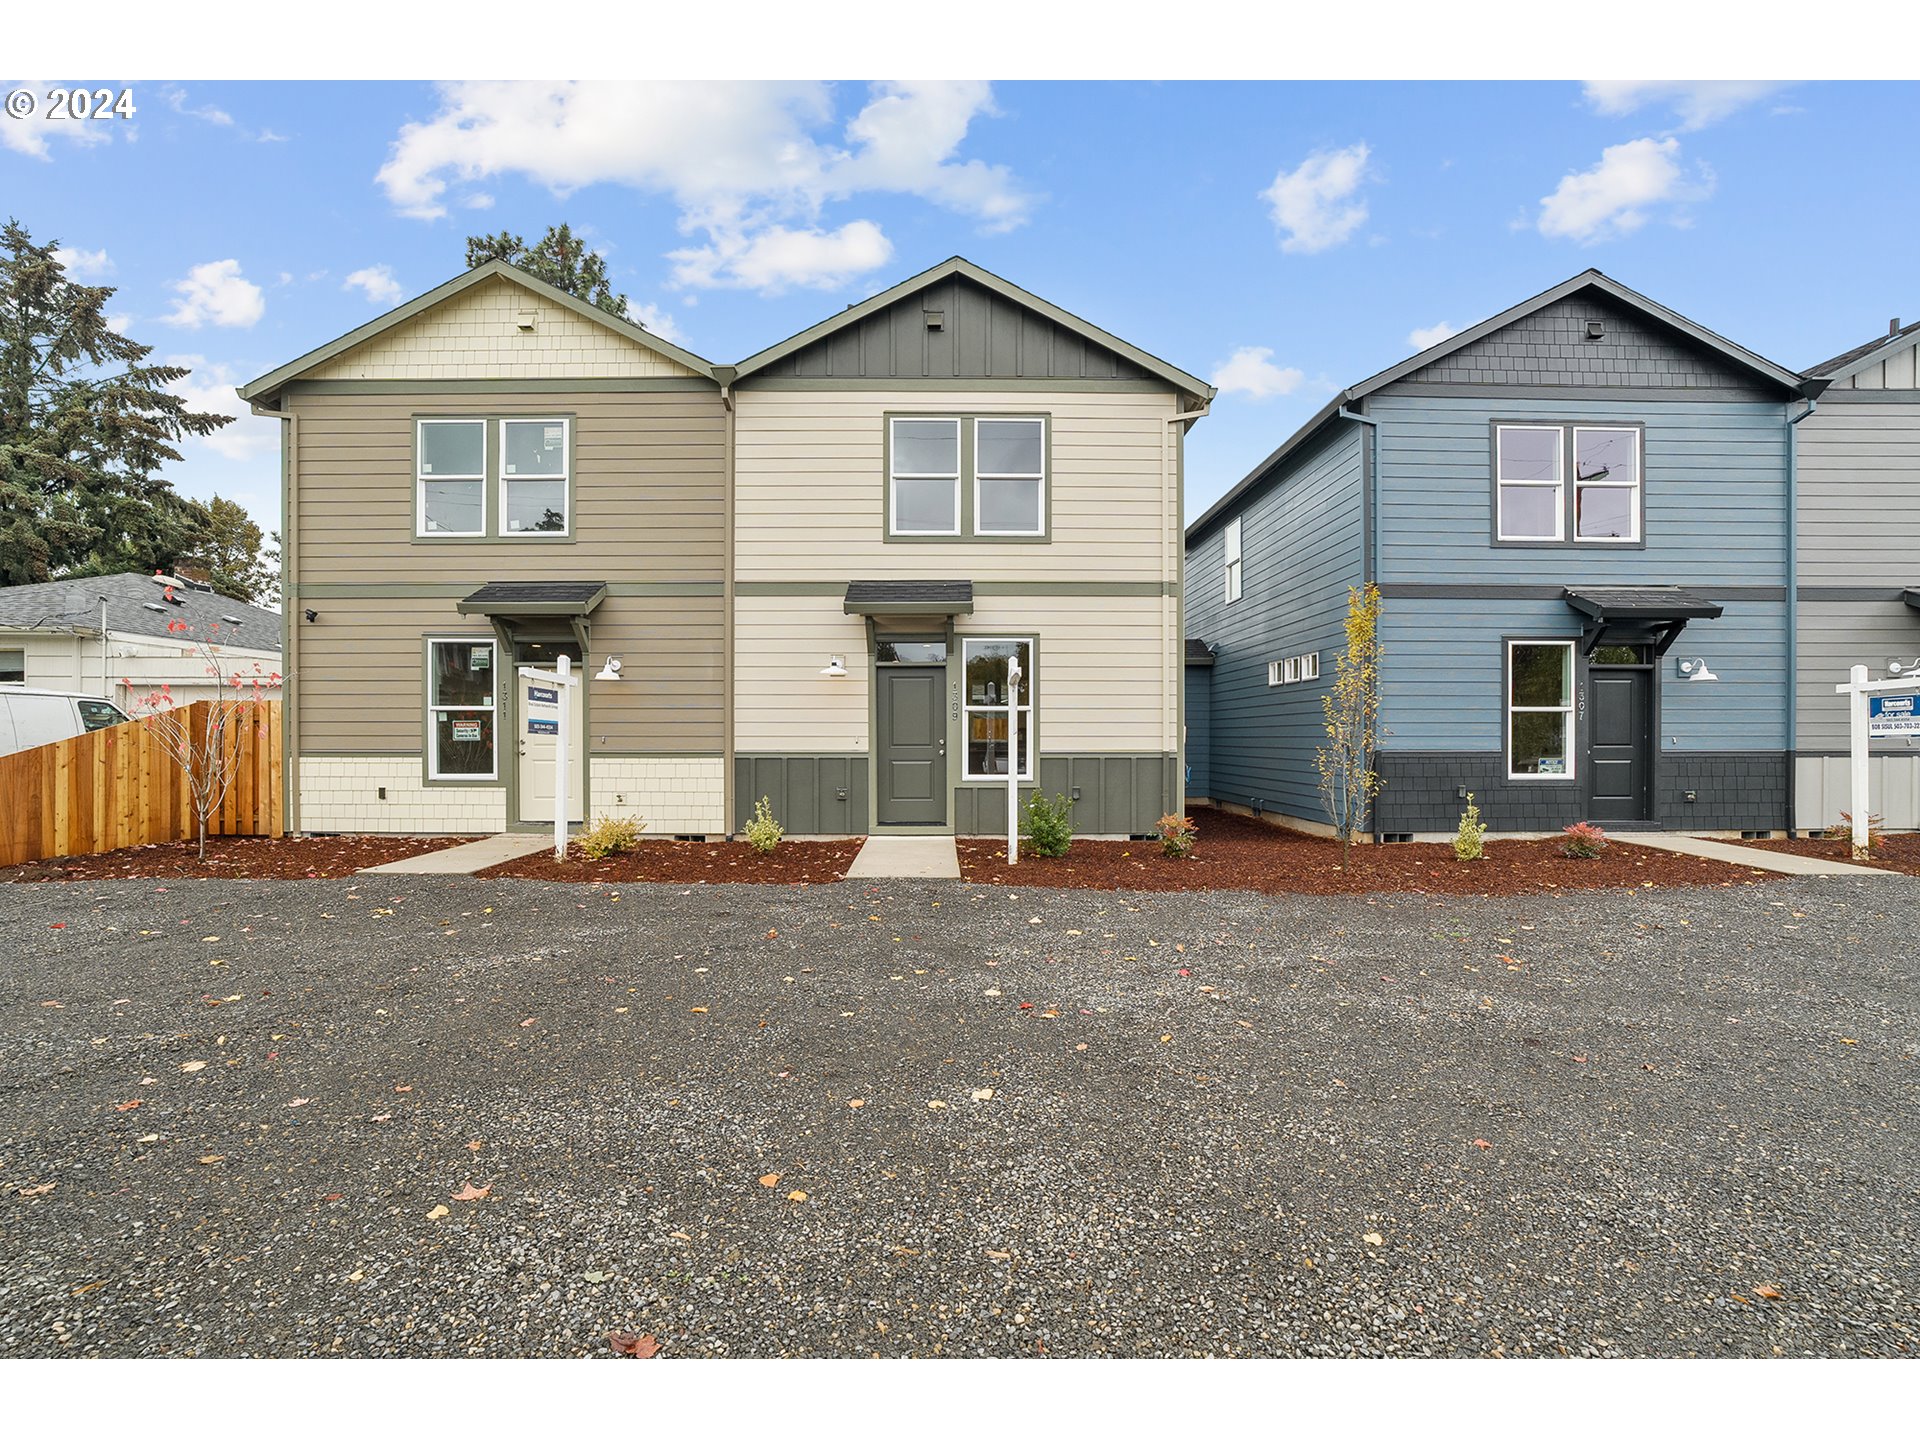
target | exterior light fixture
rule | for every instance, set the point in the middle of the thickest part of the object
(312, 615)
(1897, 667)
(1696, 670)
(836, 667)
(610, 670)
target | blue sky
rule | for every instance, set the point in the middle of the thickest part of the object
(1280, 238)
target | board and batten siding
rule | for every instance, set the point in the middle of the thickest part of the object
(1898, 369)
(1301, 550)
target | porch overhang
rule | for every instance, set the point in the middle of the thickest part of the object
(909, 597)
(1637, 614)
(527, 599)
(1199, 652)
(1912, 597)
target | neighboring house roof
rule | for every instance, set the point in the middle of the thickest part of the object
(909, 597)
(1861, 356)
(853, 314)
(74, 605)
(273, 380)
(1738, 356)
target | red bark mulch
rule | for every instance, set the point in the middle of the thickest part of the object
(1235, 852)
(317, 857)
(694, 862)
(1896, 852)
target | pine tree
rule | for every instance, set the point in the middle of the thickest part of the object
(85, 425)
(561, 259)
(235, 554)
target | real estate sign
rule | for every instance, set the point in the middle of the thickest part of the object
(1893, 714)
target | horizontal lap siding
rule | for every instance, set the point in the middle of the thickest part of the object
(782, 704)
(1860, 495)
(1834, 637)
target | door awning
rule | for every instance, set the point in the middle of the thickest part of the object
(519, 599)
(1637, 614)
(1912, 597)
(909, 597)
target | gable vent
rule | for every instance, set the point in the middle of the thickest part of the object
(936, 319)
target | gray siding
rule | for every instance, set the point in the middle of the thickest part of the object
(1301, 545)
(1834, 637)
(1199, 744)
(808, 794)
(1111, 794)
(1859, 473)
(1550, 347)
(982, 336)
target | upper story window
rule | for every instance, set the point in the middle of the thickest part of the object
(451, 461)
(535, 477)
(957, 477)
(526, 464)
(1233, 560)
(1535, 500)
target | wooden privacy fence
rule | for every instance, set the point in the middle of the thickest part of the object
(119, 786)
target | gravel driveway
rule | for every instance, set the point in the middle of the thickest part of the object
(927, 1118)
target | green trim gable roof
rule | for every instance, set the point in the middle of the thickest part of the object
(1006, 289)
(273, 380)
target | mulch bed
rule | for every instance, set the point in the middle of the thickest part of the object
(1236, 852)
(317, 857)
(695, 862)
(1896, 852)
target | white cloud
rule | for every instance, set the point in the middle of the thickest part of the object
(1314, 204)
(217, 292)
(271, 137)
(1614, 197)
(376, 282)
(83, 264)
(751, 166)
(658, 321)
(1695, 103)
(1431, 335)
(30, 136)
(212, 387)
(1250, 371)
(778, 258)
(479, 200)
(212, 114)
(119, 324)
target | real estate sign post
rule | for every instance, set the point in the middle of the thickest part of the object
(1013, 760)
(561, 680)
(1874, 707)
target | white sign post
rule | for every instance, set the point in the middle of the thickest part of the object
(1013, 760)
(562, 679)
(1874, 707)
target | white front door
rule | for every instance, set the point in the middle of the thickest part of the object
(539, 740)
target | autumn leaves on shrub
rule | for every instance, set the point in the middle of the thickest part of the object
(1584, 841)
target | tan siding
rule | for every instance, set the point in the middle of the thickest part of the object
(476, 335)
(782, 703)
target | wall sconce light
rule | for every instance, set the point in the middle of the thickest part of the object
(312, 615)
(1897, 667)
(1696, 670)
(836, 667)
(610, 670)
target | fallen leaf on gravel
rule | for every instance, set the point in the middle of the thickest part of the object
(334, 1196)
(473, 1144)
(936, 1104)
(209, 939)
(698, 1010)
(439, 1212)
(773, 934)
(299, 1100)
(37, 1189)
(147, 1139)
(1579, 1059)
(1845, 1041)
(193, 1065)
(1767, 1292)
(378, 1119)
(855, 1104)
(983, 1094)
(990, 992)
(1373, 1237)
(1026, 1004)
(640, 1347)
(1166, 1039)
(1483, 1144)
(401, 1089)
(211, 1159)
(357, 1276)
(126, 1105)
(526, 1022)
(771, 1179)
(596, 1277)
(796, 1196)
(471, 1192)
(52, 1005)
(999, 1255)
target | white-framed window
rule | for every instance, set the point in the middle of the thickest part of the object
(461, 681)
(1276, 672)
(1009, 476)
(1529, 482)
(923, 480)
(536, 476)
(984, 678)
(1310, 665)
(13, 667)
(450, 473)
(1606, 484)
(1233, 559)
(1540, 733)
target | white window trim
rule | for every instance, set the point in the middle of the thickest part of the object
(1310, 665)
(1234, 561)
(565, 476)
(967, 707)
(1568, 725)
(893, 522)
(492, 707)
(420, 479)
(1275, 672)
(1558, 485)
(1039, 476)
(1639, 476)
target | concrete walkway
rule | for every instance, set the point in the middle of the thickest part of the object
(468, 859)
(906, 857)
(1752, 857)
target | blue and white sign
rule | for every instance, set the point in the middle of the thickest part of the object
(1893, 714)
(542, 695)
(537, 726)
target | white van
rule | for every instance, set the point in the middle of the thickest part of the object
(40, 717)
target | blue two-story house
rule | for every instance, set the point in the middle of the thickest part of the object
(1577, 516)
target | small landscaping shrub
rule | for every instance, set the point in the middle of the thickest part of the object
(763, 831)
(1842, 830)
(1176, 834)
(610, 835)
(1584, 841)
(1470, 843)
(1047, 824)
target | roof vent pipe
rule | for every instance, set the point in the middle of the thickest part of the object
(1893, 326)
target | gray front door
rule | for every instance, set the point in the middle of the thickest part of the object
(910, 758)
(1620, 744)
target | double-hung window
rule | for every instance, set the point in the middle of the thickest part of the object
(1009, 477)
(1606, 483)
(535, 477)
(13, 667)
(985, 665)
(450, 460)
(923, 484)
(1233, 559)
(1530, 479)
(460, 728)
(1539, 709)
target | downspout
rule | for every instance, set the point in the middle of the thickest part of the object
(726, 375)
(289, 609)
(1370, 550)
(1793, 607)
(106, 686)
(1173, 532)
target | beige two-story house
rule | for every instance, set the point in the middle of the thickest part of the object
(950, 475)
(491, 476)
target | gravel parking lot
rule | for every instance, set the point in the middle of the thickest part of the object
(919, 1118)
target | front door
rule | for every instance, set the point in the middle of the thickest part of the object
(911, 760)
(538, 729)
(1620, 744)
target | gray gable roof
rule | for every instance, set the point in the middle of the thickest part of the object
(67, 606)
(1840, 366)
